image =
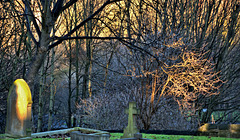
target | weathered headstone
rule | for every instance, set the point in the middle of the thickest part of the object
(19, 105)
(131, 129)
(220, 130)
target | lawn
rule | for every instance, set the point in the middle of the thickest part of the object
(152, 136)
(173, 137)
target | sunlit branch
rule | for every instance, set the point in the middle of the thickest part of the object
(157, 10)
(91, 37)
(83, 23)
(33, 18)
(131, 46)
(191, 78)
(29, 31)
(102, 66)
(135, 47)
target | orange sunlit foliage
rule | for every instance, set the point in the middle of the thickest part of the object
(191, 78)
(24, 98)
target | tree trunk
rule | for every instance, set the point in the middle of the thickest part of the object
(51, 101)
(164, 24)
(70, 86)
(107, 66)
(40, 105)
(87, 89)
(77, 69)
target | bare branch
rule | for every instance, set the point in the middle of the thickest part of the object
(83, 22)
(30, 32)
(28, 8)
(192, 77)
(58, 7)
(90, 37)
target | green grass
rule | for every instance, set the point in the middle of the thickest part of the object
(151, 136)
(39, 139)
(173, 137)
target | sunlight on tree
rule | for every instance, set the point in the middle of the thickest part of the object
(191, 78)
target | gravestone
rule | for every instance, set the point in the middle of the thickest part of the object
(220, 130)
(131, 129)
(19, 105)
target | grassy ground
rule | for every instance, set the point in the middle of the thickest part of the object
(173, 137)
(151, 136)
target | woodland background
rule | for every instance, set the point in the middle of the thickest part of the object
(85, 60)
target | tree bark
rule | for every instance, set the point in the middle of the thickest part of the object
(51, 101)
(40, 104)
(87, 88)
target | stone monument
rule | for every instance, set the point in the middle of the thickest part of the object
(131, 129)
(19, 104)
(220, 130)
